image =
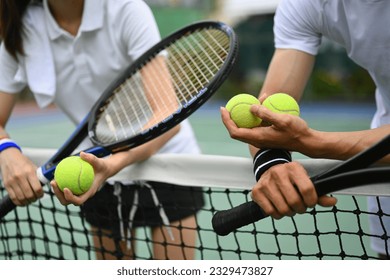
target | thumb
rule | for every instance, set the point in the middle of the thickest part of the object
(90, 158)
(327, 201)
(263, 96)
(265, 114)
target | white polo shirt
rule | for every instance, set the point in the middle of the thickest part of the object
(73, 71)
(360, 26)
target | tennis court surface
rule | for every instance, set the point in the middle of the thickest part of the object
(48, 230)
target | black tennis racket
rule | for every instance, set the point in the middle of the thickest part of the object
(158, 91)
(351, 173)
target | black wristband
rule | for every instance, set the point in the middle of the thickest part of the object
(266, 158)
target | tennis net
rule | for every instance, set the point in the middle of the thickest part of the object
(48, 230)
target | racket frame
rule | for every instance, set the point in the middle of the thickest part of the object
(85, 129)
(183, 112)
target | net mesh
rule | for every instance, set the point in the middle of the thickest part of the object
(48, 230)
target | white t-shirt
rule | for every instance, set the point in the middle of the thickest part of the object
(360, 26)
(72, 71)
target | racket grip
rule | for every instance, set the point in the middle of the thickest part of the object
(6, 206)
(226, 221)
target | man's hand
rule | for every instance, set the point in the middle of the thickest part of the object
(286, 189)
(284, 132)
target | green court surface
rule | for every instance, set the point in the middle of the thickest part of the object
(48, 129)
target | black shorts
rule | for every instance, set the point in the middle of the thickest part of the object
(179, 202)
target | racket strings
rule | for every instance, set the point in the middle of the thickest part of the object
(163, 85)
(115, 118)
(159, 89)
(199, 55)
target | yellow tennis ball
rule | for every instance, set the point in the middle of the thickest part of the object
(75, 174)
(239, 108)
(282, 103)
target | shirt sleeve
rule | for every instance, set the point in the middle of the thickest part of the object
(297, 24)
(12, 78)
(139, 28)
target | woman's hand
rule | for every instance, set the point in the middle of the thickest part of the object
(19, 177)
(102, 173)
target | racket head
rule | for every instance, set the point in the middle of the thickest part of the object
(164, 86)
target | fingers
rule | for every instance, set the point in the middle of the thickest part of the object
(227, 121)
(66, 196)
(36, 186)
(248, 135)
(286, 189)
(258, 110)
(16, 195)
(327, 201)
(271, 202)
(304, 185)
(99, 164)
(74, 199)
(90, 158)
(263, 96)
(23, 188)
(59, 194)
(256, 136)
(268, 116)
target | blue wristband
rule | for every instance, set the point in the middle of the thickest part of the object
(7, 143)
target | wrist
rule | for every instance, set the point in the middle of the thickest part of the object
(4, 136)
(266, 158)
(6, 143)
(331, 145)
(310, 144)
(318, 144)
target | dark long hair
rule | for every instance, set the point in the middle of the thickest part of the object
(11, 27)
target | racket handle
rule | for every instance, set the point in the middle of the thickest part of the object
(6, 206)
(226, 221)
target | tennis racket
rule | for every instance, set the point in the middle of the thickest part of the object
(351, 173)
(159, 90)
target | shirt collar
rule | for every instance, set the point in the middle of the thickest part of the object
(93, 15)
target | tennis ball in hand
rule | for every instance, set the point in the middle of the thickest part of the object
(239, 108)
(75, 174)
(282, 103)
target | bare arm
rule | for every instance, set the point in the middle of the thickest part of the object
(18, 172)
(289, 72)
(107, 167)
(158, 88)
(293, 134)
(283, 189)
(6, 105)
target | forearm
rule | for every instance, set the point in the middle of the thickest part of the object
(120, 160)
(341, 145)
(293, 134)
(3, 133)
(7, 103)
(288, 72)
